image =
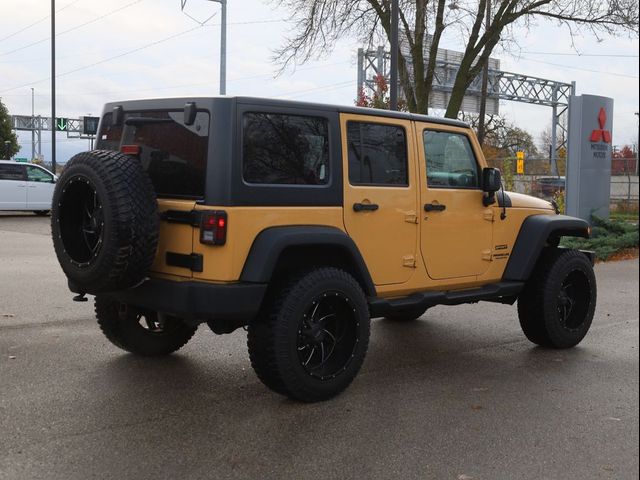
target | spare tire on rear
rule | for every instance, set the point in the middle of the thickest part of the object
(104, 221)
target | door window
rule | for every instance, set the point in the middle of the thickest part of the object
(450, 161)
(35, 174)
(11, 172)
(377, 154)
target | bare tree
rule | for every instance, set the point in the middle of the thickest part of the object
(320, 23)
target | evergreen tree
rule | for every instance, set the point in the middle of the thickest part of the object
(7, 150)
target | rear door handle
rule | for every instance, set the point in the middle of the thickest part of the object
(360, 207)
(434, 207)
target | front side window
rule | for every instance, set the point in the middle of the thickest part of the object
(450, 161)
(285, 149)
(377, 154)
(35, 174)
(11, 172)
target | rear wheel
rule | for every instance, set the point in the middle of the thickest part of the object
(142, 332)
(311, 339)
(557, 306)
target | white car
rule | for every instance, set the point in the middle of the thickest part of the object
(24, 186)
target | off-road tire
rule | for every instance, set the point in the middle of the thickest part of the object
(123, 327)
(408, 315)
(557, 305)
(328, 295)
(104, 221)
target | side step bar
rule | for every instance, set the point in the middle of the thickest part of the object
(504, 292)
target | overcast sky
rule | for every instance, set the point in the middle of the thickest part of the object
(126, 49)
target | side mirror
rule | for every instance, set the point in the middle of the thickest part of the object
(491, 180)
(491, 183)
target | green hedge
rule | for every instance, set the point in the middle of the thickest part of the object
(607, 237)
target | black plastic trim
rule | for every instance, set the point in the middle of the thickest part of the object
(270, 243)
(196, 301)
(504, 200)
(533, 236)
(494, 292)
(192, 261)
(188, 217)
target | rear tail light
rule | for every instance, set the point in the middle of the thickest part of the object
(213, 227)
(130, 149)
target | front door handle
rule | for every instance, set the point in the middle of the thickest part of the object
(360, 207)
(434, 207)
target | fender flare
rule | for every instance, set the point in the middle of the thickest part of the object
(271, 242)
(533, 235)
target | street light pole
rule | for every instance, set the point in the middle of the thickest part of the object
(393, 88)
(223, 46)
(53, 86)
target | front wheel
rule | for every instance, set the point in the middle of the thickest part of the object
(141, 332)
(312, 337)
(557, 306)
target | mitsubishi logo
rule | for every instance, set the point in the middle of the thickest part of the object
(601, 135)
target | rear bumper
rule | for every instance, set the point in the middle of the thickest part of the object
(196, 301)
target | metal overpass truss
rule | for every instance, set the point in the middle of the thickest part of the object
(73, 127)
(501, 85)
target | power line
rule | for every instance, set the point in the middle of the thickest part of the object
(89, 22)
(170, 37)
(576, 54)
(37, 22)
(580, 69)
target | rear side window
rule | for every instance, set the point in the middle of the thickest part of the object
(173, 154)
(11, 172)
(285, 149)
(377, 154)
(450, 161)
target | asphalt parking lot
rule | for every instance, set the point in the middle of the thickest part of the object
(460, 394)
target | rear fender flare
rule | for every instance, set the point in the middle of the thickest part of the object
(270, 243)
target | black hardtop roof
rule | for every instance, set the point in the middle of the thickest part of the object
(161, 103)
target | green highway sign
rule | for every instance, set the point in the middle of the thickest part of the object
(62, 124)
(20, 159)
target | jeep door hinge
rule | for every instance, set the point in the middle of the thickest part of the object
(488, 215)
(486, 255)
(409, 261)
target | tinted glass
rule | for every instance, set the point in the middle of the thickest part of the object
(173, 154)
(35, 174)
(285, 149)
(11, 172)
(450, 161)
(377, 154)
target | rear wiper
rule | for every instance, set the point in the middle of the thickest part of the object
(144, 120)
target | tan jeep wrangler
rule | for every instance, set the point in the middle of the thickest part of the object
(301, 222)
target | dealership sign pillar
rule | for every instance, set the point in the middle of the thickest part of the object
(589, 162)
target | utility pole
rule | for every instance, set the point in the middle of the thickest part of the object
(33, 126)
(393, 88)
(53, 86)
(485, 83)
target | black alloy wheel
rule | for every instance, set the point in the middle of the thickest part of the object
(327, 337)
(140, 331)
(311, 337)
(558, 303)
